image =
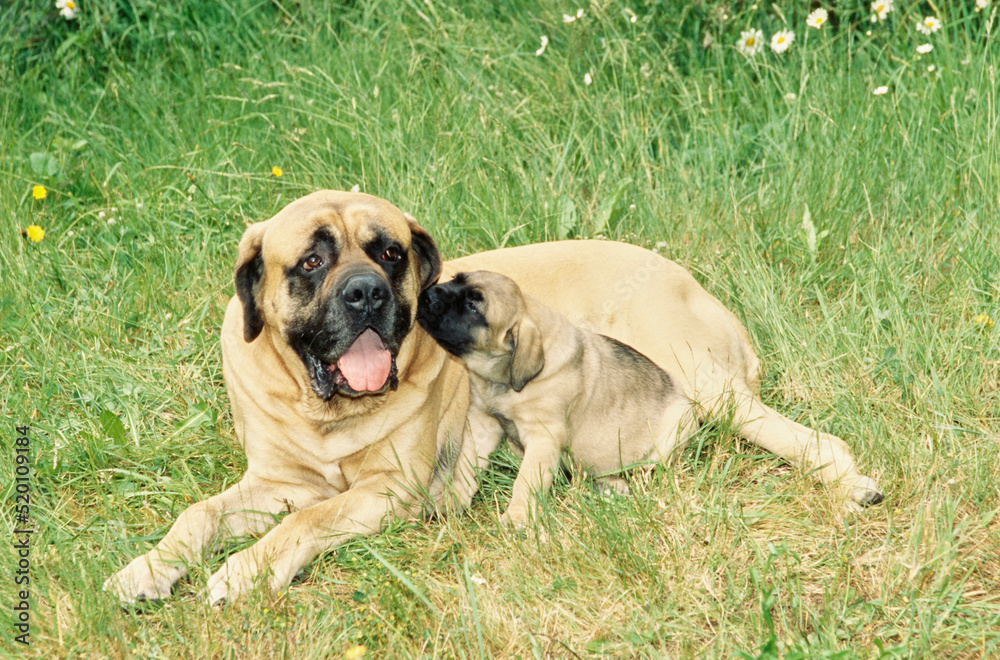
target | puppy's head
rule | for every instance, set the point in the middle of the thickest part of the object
(336, 276)
(480, 317)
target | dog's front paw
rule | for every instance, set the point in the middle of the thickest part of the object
(145, 578)
(235, 578)
(238, 575)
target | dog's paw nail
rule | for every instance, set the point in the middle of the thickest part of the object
(872, 498)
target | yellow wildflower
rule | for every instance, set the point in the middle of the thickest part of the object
(355, 652)
(277, 171)
(983, 319)
(39, 192)
(35, 233)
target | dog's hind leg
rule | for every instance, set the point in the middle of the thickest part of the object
(825, 455)
(677, 424)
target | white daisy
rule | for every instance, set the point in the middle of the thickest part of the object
(751, 41)
(569, 18)
(588, 78)
(781, 40)
(879, 91)
(923, 49)
(817, 18)
(982, 4)
(929, 25)
(67, 8)
(880, 9)
(545, 44)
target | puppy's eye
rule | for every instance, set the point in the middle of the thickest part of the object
(312, 262)
(391, 255)
(471, 306)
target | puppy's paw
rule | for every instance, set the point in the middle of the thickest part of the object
(145, 578)
(516, 520)
(613, 485)
(519, 523)
(457, 498)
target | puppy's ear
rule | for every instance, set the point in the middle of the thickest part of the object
(427, 253)
(527, 357)
(249, 273)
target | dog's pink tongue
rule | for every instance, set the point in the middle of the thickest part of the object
(367, 363)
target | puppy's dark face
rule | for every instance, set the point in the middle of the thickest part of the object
(337, 280)
(454, 313)
(477, 317)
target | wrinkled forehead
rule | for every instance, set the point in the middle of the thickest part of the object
(490, 283)
(500, 293)
(346, 219)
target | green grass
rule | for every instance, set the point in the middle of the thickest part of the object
(168, 117)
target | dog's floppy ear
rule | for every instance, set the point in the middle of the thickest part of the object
(427, 253)
(527, 357)
(249, 273)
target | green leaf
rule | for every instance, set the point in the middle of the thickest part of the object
(810, 230)
(112, 426)
(43, 164)
(201, 413)
(610, 212)
(568, 219)
(419, 594)
(37, 161)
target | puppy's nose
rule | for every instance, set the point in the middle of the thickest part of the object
(365, 293)
(430, 302)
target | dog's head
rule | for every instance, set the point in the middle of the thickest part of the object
(480, 317)
(336, 277)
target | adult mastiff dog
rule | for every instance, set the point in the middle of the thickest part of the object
(351, 414)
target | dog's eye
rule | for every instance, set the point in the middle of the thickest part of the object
(471, 306)
(392, 255)
(312, 262)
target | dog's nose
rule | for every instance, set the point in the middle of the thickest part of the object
(365, 293)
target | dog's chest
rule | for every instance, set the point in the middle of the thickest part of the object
(509, 429)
